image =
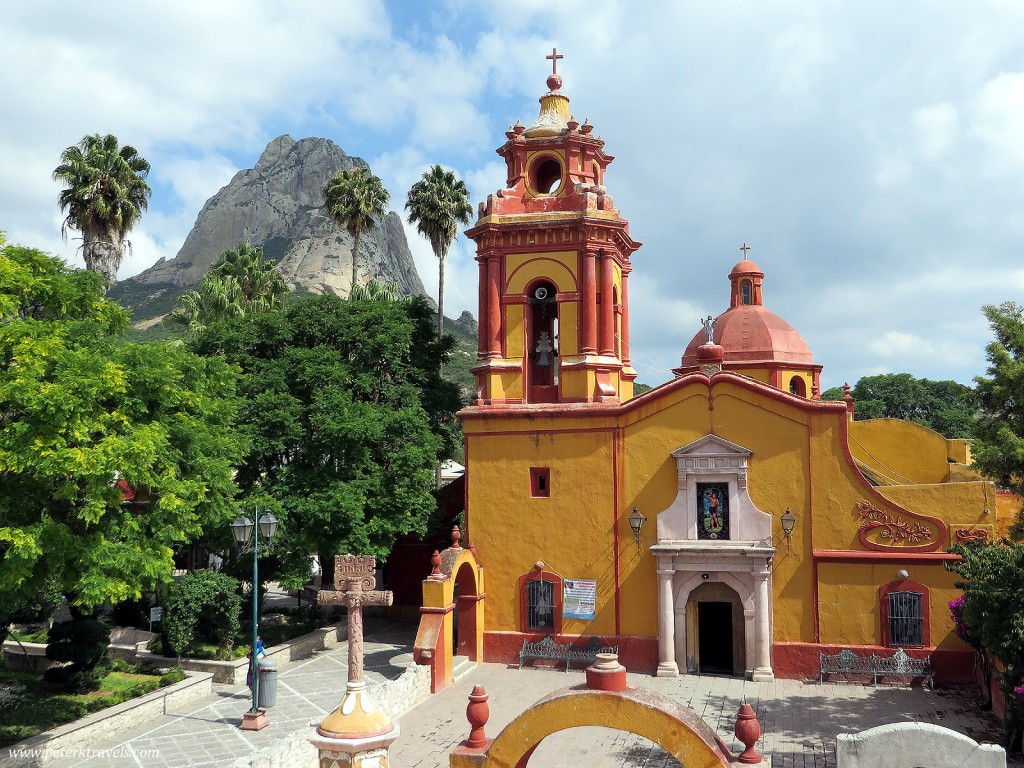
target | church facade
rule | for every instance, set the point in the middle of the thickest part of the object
(728, 521)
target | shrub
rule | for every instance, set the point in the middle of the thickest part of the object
(204, 605)
(83, 643)
(172, 676)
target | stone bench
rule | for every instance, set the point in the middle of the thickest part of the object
(548, 650)
(846, 662)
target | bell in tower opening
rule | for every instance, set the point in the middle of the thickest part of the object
(542, 371)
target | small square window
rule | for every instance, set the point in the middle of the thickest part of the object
(540, 482)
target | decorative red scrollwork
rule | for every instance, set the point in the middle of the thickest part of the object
(964, 535)
(888, 531)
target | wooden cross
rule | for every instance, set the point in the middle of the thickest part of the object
(354, 587)
(744, 248)
(555, 56)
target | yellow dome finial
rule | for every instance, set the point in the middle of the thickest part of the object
(554, 105)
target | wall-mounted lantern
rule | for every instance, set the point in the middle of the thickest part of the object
(636, 521)
(788, 521)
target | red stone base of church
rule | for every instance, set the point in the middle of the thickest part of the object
(952, 666)
(799, 661)
(637, 654)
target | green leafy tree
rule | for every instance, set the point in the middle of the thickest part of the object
(106, 193)
(945, 406)
(355, 199)
(240, 283)
(437, 204)
(991, 616)
(204, 605)
(999, 435)
(111, 453)
(347, 417)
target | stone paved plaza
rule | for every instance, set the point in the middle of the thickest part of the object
(800, 720)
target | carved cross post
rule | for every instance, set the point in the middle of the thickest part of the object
(354, 584)
(358, 732)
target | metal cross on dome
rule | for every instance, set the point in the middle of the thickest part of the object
(555, 56)
(744, 248)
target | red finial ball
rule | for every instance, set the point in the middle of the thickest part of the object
(435, 562)
(748, 731)
(554, 82)
(477, 713)
(456, 535)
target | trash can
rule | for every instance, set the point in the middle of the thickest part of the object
(268, 682)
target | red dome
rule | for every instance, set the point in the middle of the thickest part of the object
(746, 267)
(751, 334)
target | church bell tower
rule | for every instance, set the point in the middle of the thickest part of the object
(554, 257)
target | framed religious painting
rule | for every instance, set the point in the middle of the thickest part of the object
(712, 511)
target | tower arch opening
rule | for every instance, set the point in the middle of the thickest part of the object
(546, 175)
(542, 343)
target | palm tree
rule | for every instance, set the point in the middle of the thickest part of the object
(106, 193)
(241, 283)
(374, 291)
(353, 198)
(437, 204)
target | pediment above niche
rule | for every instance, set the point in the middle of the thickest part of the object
(711, 445)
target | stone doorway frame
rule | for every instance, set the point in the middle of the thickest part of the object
(742, 562)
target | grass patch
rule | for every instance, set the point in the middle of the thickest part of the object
(31, 636)
(28, 706)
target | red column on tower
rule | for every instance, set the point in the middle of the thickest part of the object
(607, 304)
(494, 306)
(588, 291)
(625, 351)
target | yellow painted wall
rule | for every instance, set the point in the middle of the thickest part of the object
(570, 531)
(902, 451)
(849, 608)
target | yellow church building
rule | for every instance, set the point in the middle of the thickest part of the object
(727, 521)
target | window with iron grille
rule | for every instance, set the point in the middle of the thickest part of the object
(905, 619)
(540, 605)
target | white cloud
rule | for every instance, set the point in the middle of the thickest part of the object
(937, 127)
(896, 343)
(999, 119)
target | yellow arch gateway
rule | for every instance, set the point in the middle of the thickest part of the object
(459, 581)
(677, 729)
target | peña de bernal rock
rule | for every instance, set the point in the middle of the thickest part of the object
(278, 205)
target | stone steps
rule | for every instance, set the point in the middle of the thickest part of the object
(461, 666)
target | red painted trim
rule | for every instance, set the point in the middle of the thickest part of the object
(940, 539)
(446, 609)
(799, 661)
(540, 576)
(543, 256)
(637, 654)
(906, 585)
(510, 432)
(816, 609)
(615, 530)
(854, 556)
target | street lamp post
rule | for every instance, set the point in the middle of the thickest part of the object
(245, 531)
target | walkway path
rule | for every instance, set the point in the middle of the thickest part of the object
(800, 720)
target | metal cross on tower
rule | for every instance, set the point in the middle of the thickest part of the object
(744, 248)
(555, 56)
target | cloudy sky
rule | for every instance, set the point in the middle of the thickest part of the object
(871, 153)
